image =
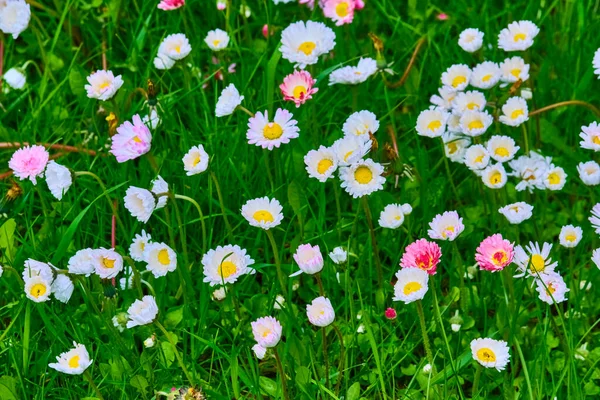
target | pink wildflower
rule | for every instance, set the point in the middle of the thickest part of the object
(309, 3)
(390, 313)
(298, 87)
(359, 4)
(265, 30)
(442, 17)
(131, 140)
(494, 253)
(339, 11)
(170, 4)
(29, 162)
(422, 254)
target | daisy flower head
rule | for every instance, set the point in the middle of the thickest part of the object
(570, 236)
(303, 42)
(353, 75)
(457, 77)
(362, 124)
(455, 146)
(140, 203)
(470, 40)
(555, 178)
(195, 161)
(412, 285)
(62, 288)
(58, 179)
(74, 361)
(228, 101)
(477, 157)
(14, 17)
(485, 75)
(267, 331)
(514, 69)
(268, 135)
(131, 140)
(596, 257)
(309, 259)
(225, 264)
(530, 169)
(446, 226)
(590, 136)
(494, 176)
(362, 178)
(514, 111)
(103, 85)
(475, 123)
(163, 61)
(422, 254)
(298, 87)
(596, 63)
(551, 288)
(321, 163)
(350, 149)
(393, 215)
(472, 100)
(38, 288)
(221, 5)
(29, 162)
(138, 245)
(517, 212)
(339, 256)
(15, 78)
(518, 36)
(217, 39)
(339, 11)
(432, 122)
(34, 268)
(595, 218)
(160, 258)
(589, 173)
(142, 312)
(320, 312)
(160, 186)
(175, 46)
(107, 263)
(167, 5)
(82, 263)
(445, 98)
(259, 351)
(490, 353)
(151, 120)
(263, 212)
(502, 148)
(494, 253)
(533, 260)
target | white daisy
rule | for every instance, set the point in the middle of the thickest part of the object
(533, 261)
(351, 75)
(595, 218)
(14, 17)
(163, 61)
(471, 100)
(38, 289)
(457, 77)
(228, 101)
(268, 135)
(455, 146)
(175, 46)
(530, 169)
(302, 43)
(490, 353)
(320, 312)
(393, 215)
(590, 136)
(107, 262)
(321, 163)
(596, 63)
(62, 288)
(263, 212)
(551, 288)
(339, 255)
(160, 186)
(142, 312)
(445, 98)
(412, 285)
(82, 263)
(74, 361)
(140, 203)
(161, 259)
(432, 122)
(470, 40)
(475, 123)
(514, 69)
(555, 178)
(361, 124)
(515, 112)
(58, 178)
(34, 268)
(596, 257)
(103, 85)
(195, 160)
(446, 226)
(217, 39)
(516, 213)
(518, 36)
(570, 236)
(362, 178)
(350, 149)
(589, 173)
(485, 75)
(494, 176)
(477, 157)
(15, 78)
(502, 148)
(138, 245)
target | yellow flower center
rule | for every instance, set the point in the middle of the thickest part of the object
(596, 139)
(472, 105)
(104, 85)
(272, 131)
(37, 290)
(502, 152)
(515, 72)
(519, 36)
(452, 147)
(341, 9)
(486, 355)
(478, 159)
(226, 269)
(177, 49)
(137, 139)
(363, 175)
(324, 165)
(108, 263)
(516, 114)
(216, 42)
(263, 216)
(196, 160)
(347, 155)
(550, 289)
(74, 361)
(554, 178)
(163, 257)
(433, 125)
(459, 80)
(476, 124)
(307, 47)
(495, 178)
(411, 287)
(570, 238)
(299, 92)
(266, 332)
(486, 77)
(537, 263)
(449, 229)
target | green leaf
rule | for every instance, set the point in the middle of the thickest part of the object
(7, 231)
(8, 388)
(173, 317)
(140, 383)
(267, 386)
(302, 375)
(353, 392)
(77, 81)
(168, 352)
(271, 69)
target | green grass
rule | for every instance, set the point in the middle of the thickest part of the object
(63, 44)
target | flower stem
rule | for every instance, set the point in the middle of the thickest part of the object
(244, 109)
(373, 240)
(341, 363)
(478, 371)
(277, 263)
(88, 376)
(281, 374)
(177, 355)
(202, 223)
(222, 203)
(594, 109)
(424, 332)
(448, 172)
(325, 356)
(320, 284)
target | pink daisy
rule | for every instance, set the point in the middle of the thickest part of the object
(29, 162)
(339, 11)
(131, 140)
(298, 87)
(422, 254)
(170, 4)
(309, 3)
(494, 253)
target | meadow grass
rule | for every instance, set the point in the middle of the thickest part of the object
(380, 358)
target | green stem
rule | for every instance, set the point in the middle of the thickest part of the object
(424, 332)
(88, 376)
(177, 355)
(281, 374)
(373, 240)
(341, 363)
(182, 238)
(280, 275)
(525, 139)
(26, 336)
(244, 109)
(202, 223)
(325, 356)
(478, 371)
(320, 284)
(222, 203)
(449, 172)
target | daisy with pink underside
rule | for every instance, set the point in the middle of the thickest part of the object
(339, 11)
(267, 134)
(131, 140)
(168, 5)
(494, 253)
(422, 254)
(298, 87)
(29, 162)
